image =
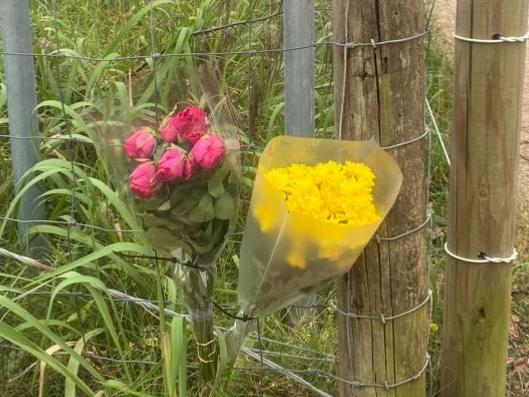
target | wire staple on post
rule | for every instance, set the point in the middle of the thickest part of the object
(381, 317)
(482, 257)
(498, 40)
(374, 44)
(381, 385)
(379, 238)
(412, 140)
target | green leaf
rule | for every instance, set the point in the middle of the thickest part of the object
(117, 385)
(93, 257)
(73, 365)
(91, 282)
(216, 181)
(165, 206)
(118, 204)
(18, 339)
(152, 220)
(184, 200)
(215, 187)
(162, 239)
(209, 240)
(204, 211)
(223, 371)
(126, 30)
(29, 318)
(86, 239)
(225, 207)
(178, 343)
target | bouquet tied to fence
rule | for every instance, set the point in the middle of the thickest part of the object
(182, 179)
(315, 205)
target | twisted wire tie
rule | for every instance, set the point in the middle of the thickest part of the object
(385, 384)
(498, 39)
(379, 238)
(381, 317)
(483, 257)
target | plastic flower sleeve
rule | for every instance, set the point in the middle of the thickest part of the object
(190, 216)
(285, 256)
(180, 181)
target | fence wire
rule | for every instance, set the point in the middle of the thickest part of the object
(264, 350)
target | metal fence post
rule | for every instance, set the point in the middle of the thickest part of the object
(21, 101)
(298, 31)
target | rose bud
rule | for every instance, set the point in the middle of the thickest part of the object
(208, 151)
(168, 131)
(142, 180)
(171, 166)
(190, 124)
(190, 167)
(140, 144)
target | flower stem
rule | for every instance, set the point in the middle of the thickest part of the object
(198, 291)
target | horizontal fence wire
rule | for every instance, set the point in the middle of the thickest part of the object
(201, 54)
(385, 318)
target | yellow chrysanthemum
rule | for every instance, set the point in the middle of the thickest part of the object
(337, 193)
(296, 260)
(266, 217)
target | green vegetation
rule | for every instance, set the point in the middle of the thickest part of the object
(61, 333)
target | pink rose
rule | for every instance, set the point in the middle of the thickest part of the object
(190, 124)
(168, 131)
(140, 144)
(171, 166)
(208, 151)
(142, 180)
(190, 167)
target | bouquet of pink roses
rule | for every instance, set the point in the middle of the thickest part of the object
(184, 179)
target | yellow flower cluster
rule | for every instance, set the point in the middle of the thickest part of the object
(337, 193)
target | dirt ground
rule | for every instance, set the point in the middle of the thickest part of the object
(444, 26)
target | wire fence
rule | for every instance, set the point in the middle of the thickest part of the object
(315, 370)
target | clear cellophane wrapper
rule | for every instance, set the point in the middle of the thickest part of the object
(285, 256)
(188, 220)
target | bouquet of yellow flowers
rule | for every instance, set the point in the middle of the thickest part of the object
(315, 205)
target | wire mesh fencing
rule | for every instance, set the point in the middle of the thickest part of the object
(85, 265)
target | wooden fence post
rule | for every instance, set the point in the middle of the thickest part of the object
(379, 92)
(483, 190)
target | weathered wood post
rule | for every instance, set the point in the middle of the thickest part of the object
(483, 190)
(379, 92)
(21, 101)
